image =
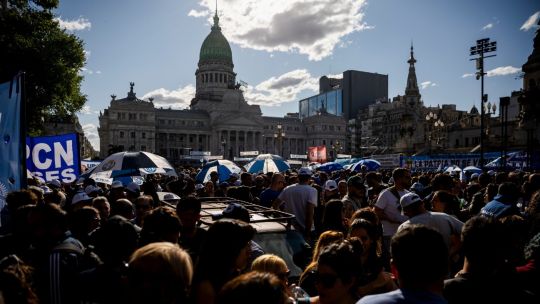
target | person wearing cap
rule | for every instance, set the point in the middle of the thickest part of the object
(79, 200)
(117, 191)
(356, 197)
(330, 191)
(300, 199)
(133, 190)
(448, 226)
(92, 191)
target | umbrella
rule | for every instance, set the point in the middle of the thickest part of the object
(347, 161)
(452, 169)
(129, 164)
(267, 163)
(370, 164)
(330, 166)
(224, 168)
(472, 169)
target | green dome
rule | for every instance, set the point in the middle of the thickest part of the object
(216, 47)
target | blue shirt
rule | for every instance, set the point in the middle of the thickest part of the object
(268, 196)
(403, 296)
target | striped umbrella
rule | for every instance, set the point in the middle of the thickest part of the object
(223, 167)
(129, 164)
(267, 163)
(370, 164)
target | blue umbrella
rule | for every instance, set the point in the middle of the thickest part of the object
(370, 164)
(330, 166)
(347, 161)
(223, 167)
(267, 163)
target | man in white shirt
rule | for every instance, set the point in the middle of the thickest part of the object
(300, 199)
(388, 209)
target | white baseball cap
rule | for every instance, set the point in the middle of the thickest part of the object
(409, 199)
(330, 185)
(304, 171)
(117, 184)
(80, 197)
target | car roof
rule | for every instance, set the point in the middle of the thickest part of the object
(264, 219)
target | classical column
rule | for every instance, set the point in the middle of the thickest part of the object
(236, 143)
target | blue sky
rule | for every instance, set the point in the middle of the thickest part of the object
(282, 47)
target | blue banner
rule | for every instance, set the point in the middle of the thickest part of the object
(11, 171)
(53, 157)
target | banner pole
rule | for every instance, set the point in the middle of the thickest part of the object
(21, 79)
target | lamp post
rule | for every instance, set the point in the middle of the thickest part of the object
(488, 110)
(279, 137)
(223, 144)
(482, 46)
(438, 124)
(336, 147)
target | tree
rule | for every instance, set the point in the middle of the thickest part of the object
(32, 41)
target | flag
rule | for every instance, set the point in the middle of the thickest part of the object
(11, 148)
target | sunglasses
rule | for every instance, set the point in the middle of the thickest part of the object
(325, 279)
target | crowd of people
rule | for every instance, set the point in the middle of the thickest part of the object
(387, 236)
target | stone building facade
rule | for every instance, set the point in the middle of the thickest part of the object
(219, 119)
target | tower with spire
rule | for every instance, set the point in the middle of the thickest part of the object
(412, 94)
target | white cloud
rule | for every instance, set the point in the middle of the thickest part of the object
(467, 75)
(90, 131)
(284, 88)
(531, 22)
(335, 76)
(74, 25)
(87, 71)
(487, 26)
(426, 84)
(86, 110)
(310, 27)
(175, 99)
(98, 72)
(194, 13)
(501, 71)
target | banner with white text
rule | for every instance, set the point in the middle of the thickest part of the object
(53, 157)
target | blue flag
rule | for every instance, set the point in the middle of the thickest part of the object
(11, 168)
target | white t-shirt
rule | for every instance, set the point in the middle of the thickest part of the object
(295, 199)
(389, 203)
(447, 225)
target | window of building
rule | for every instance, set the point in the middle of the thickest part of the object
(466, 141)
(143, 135)
(121, 134)
(132, 134)
(211, 78)
(220, 77)
(118, 117)
(143, 148)
(324, 141)
(457, 143)
(123, 115)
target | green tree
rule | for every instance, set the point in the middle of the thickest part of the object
(32, 41)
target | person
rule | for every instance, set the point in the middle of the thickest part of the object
(253, 287)
(375, 186)
(505, 203)
(124, 208)
(159, 273)
(272, 263)
(307, 279)
(16, 281)
(270, 194)
(239, 212)
(485, 277)
(342, 188)
(333, 216)
(116, 191)
(57, 257)
(191, 235)
(356, 197)
(82, 222)
(448, 226)
(300, 199)
(446, 202)
(160, 225)
(143, 205)
(375, 279)
(102, 205)
(388, 208)
(113, 242)
(420, 263)
(224, 256)
(330, 191)
(339, 272)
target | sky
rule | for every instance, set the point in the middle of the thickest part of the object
(282, 47)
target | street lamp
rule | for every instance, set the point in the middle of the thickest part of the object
(279, 136)
(482, 46)
(336, 147)
(223, 144)
(438, 125)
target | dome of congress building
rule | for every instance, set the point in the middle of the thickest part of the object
(216, 47)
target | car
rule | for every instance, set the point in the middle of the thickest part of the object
(275, 233)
